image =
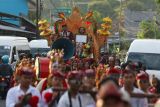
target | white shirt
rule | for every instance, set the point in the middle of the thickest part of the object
(44, 103)
(88, 100)
(137, 102)
(64, 101)
(65, 34)
(40, 84)
(14, 94)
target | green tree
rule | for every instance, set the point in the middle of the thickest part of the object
(158, 7)
(136, 6)
(32, 16)
(97, 16)
(141, 5)
(148, 29)
(105, 8)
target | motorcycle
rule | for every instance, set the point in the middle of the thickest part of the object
(4, 86)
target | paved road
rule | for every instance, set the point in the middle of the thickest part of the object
(2, 103)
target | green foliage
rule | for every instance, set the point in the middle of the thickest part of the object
(141, 5)
(136, 6)
(158, 7)
(32, 16)
(105, 8)
(97, 16)
(124, 44)
(114, 3)
(149, 29)
(157, 1)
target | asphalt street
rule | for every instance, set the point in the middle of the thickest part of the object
(2, 103)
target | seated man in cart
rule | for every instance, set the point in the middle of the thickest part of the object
(65, 33)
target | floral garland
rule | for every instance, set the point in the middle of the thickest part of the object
(48, 97)
(86, 50)
(105, 27)
(56, 55)
(29, 99)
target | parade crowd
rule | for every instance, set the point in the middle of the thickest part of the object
(81, 83)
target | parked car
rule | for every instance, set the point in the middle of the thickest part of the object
(146, 51)
(13, 46)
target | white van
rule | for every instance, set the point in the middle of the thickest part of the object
(146, 51)
(39, 46)
(13, 46)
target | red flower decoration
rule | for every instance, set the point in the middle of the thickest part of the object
(88, 23)
(69, 62)
(113, 71)
(152, 90)
(142, 76)
(21, 97)
(48, 97)
(33, 102)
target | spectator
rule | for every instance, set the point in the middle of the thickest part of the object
(143, 81)
(24, 94)
(155, 84)
(72, 98)
(65, 33)
(117, 62)
(88, 84)
(5, 68)
(16, 63)
(110, 96)
(56, 83)
(128, 86)
(0, 59)
(46, 83)
(112, 70)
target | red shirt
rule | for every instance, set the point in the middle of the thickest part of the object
(113, 71)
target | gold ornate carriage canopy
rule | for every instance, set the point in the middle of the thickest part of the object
(76, 20)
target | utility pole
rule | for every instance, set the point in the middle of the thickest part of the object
(40, 8)
(37, 17)
(119, 27)
(72, 3)
(154, 21)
